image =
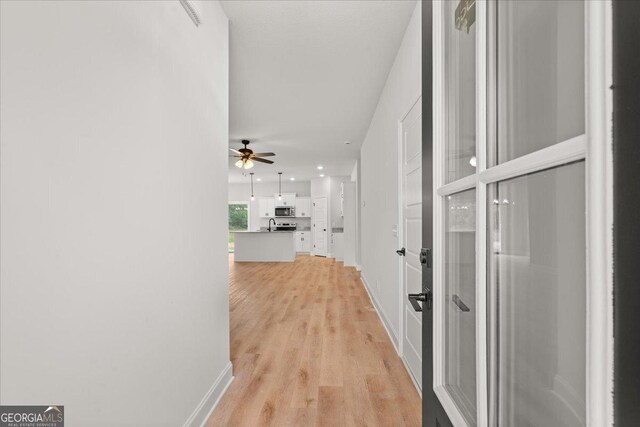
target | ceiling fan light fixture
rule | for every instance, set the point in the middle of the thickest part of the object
(247, 157)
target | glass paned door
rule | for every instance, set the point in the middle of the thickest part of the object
(537, 279)
(512, 285)
(540, 77)
(460, 301)
(460, 75)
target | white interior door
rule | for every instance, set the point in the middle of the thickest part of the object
(411, 202)
(320, 226)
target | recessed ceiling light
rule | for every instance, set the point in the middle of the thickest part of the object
(292, 179)
(321, 175)
(320, 167)
(347, 142)
(259, 179)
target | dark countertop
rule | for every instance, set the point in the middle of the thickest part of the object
(261, 231)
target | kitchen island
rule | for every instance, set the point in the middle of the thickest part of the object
(264, 246)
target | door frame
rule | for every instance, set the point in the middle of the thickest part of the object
(400, 236)
(599, 203)
(326, 218)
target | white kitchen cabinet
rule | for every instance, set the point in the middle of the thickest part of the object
(267, 207)
(303, 207)
(303, 241)
(288, 200)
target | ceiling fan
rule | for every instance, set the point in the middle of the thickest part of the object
(247, 156)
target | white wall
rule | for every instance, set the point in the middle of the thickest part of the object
(350, 232)
(242, 193)
(114, 295)
(379, 177)
(358, 214)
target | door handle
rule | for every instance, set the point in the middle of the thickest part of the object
(461, 305)
(425, 297)
(401, 252)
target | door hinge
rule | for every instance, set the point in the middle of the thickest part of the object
(426, 257)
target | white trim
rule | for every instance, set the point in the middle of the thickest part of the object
(482, 398)
(481, 270)
(400, 238)
(462, 184)
(599, 191)
(203, 411)
(439, 116)
(383, 319)
(358, 267)
(450, 407)
(555, 155)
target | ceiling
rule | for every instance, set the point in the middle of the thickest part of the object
(305, 76)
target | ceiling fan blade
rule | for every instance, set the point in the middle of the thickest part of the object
(264, 154)
(235, 151)
(258, 159)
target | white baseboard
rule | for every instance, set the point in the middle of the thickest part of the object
(358, 267)
(203, 411)
(387, 326)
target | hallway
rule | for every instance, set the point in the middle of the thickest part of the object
(308, 349)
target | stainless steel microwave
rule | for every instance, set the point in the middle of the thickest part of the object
(285, 211)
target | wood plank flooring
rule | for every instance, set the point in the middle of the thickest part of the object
(308, 349)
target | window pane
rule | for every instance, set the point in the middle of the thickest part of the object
(460, 306)
(537, 285)
(540, 75)
(238, 221)
(460, 78)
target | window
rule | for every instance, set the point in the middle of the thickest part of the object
(238, 220)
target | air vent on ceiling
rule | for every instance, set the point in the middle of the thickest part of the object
(192, 11)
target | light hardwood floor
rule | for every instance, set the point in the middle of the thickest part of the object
(308, 349)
